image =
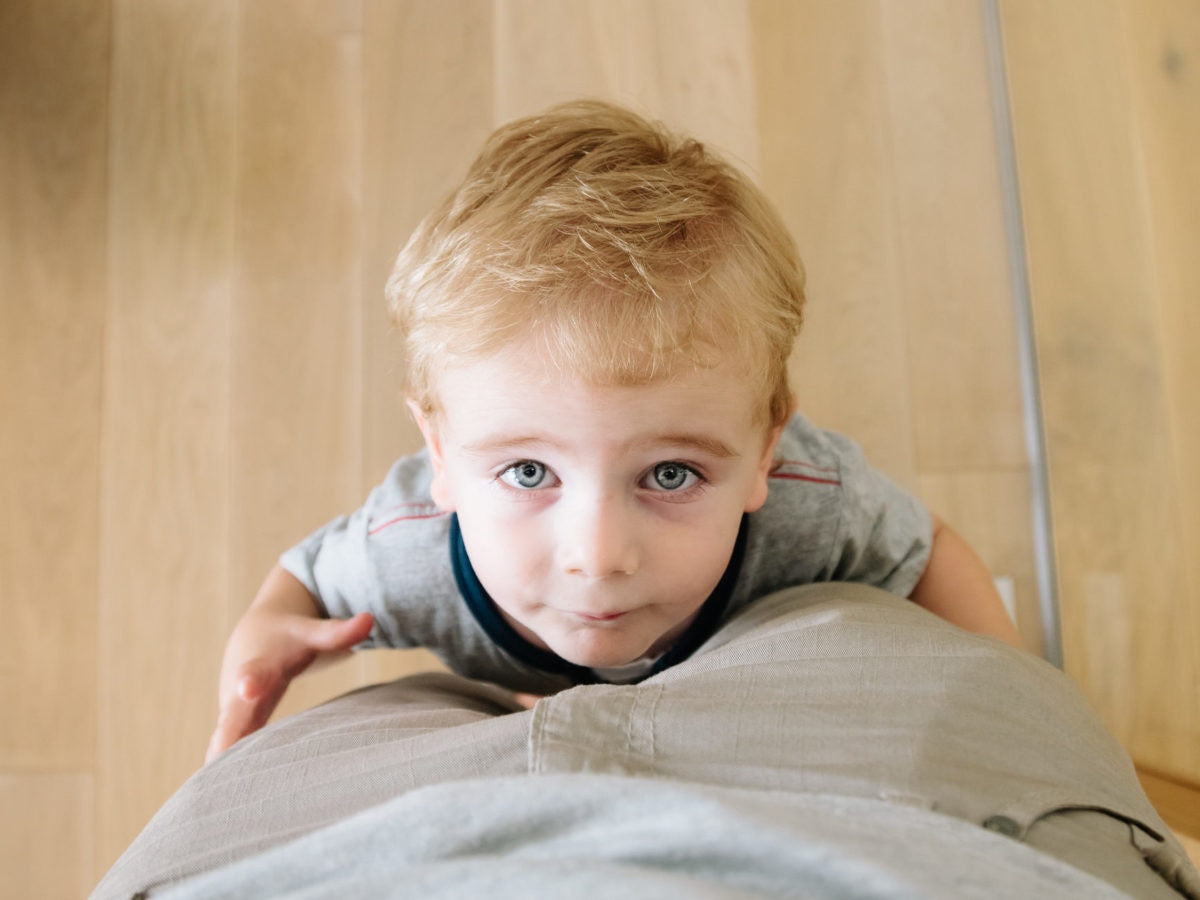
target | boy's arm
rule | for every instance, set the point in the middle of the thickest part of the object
(279, 636)
(958, 587)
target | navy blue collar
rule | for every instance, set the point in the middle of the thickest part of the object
(486, 613)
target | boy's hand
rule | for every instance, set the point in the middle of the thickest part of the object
(278, 638)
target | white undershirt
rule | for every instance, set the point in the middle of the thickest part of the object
(628, 673)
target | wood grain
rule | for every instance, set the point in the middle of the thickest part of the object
(46, 836)
(825, 159)
(685, 63)
(1163, 48)
(296, 329)
(164, 546)
(949, 226)
(53, 192)
(1112, 376)
(426, 112)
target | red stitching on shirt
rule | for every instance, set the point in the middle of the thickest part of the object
(390, 522)
(805, 465)
(793, 477)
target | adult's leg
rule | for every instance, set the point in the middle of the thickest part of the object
(844, 690)
(322, 765)
(830, 689)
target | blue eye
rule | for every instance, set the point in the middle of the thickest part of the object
(526, 475)
(673, 476)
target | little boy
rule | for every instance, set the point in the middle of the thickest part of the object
(597, 325)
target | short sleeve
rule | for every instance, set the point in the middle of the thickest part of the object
(831, 516)
(387, 558)
(885, 534)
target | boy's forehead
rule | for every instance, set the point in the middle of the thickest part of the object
(538, 357)
(518, 397)
(524, 368)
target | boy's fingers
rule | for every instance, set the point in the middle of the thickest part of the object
(260, 682)
(231, 726)
(256, 693)
(215, 746)
(224, 736)
(255, 679)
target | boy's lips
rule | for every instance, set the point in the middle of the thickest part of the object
(599, 617)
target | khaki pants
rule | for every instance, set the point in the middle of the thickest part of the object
(829, 689)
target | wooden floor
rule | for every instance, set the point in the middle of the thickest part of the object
(200, 200)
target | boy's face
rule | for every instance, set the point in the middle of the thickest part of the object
(599, 519)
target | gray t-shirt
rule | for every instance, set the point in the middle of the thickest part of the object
(829, 516)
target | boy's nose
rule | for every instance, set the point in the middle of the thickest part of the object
(597, 540)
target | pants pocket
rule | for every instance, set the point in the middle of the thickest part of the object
(1104, 837)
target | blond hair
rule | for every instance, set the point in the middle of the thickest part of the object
(624, 250)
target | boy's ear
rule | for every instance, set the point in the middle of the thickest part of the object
(439, 488)
(758, 491)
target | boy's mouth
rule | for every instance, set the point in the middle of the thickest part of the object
(603, 617)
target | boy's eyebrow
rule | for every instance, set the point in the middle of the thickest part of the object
(498, 443)
(704, 443)
(710, 445)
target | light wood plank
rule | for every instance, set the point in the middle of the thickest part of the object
(544, 53)
(296, 338)
(683, 62)
(427, 99)
(958, 307)
(165, 446)
(959, 312)
(1094, 278)
(53, 136)
(427, 111)
(826, 162)
(45, 836)
(1163, 46)
(296, 334)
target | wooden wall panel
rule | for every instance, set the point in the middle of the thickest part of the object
(46, 836)
(890, 184)
(949, 226)
(1115, 354)
(53, 138)
(53, 193)
(165, 447)
(1163, 46)
(296, 330)
(960, 329)
(426, 112)
(825, 157)
(53, 133)
(683, 62)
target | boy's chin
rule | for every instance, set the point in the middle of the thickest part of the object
(597, 657)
